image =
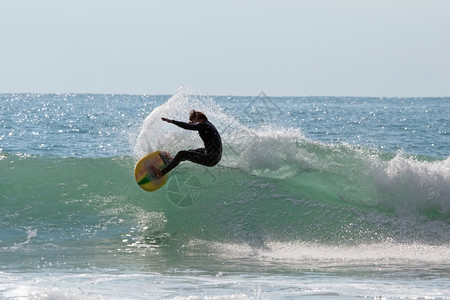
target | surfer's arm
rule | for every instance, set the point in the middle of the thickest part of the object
(186, 125)
(183, 124)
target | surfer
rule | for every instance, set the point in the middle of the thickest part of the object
(208, 156)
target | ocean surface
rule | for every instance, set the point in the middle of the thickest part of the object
(315, 198)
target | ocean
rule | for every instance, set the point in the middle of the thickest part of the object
(315, 198)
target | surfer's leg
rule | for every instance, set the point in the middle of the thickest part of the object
(173, 163)
(196, 156)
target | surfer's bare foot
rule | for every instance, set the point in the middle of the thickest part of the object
(157, 172)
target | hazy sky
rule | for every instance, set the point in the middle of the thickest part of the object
(229, 47)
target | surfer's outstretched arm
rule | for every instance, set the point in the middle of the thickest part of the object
(183, 125)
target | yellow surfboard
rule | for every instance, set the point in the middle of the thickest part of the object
(145, 177)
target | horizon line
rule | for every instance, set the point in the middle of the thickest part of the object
(213, 95)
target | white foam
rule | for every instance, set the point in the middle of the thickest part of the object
(410, 185)
(298, 253)
(31, 233)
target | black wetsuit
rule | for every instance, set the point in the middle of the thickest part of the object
(208, 156)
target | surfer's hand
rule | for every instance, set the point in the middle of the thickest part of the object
(166, 120)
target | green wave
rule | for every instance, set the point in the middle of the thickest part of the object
(342, 195)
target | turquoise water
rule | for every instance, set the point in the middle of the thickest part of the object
(315, 198)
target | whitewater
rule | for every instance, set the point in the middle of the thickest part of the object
(315, 198)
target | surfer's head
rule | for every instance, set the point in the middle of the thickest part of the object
(197, 116)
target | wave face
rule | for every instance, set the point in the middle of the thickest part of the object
(332, 194)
